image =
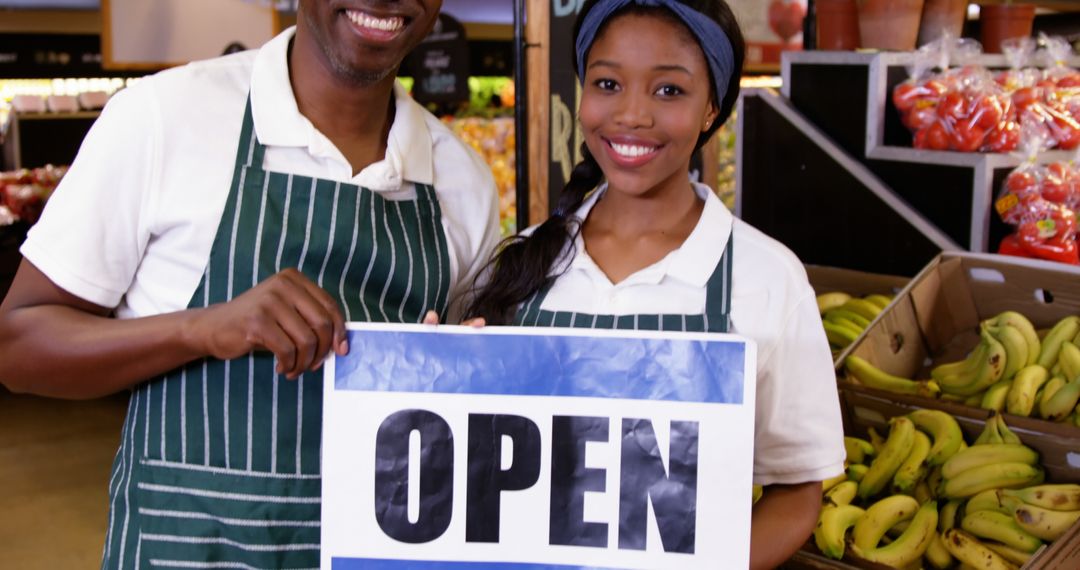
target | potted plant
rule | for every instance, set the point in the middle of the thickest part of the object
(837, 24)
(941, 17)
(1000, 22)
(889, 24)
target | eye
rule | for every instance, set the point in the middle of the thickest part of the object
(669, 91)
(606, 84)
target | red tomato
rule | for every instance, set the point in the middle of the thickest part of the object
(920, 117)
(967, 136)
(1026, 97)
(988, 111)
(952, 106)
(1054, 186)
(936, 137)
(1022, 183)
(1003, 138)
(905, 96)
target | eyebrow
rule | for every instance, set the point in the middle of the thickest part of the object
(672, 67)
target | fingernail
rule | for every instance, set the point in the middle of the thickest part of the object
(343, 348)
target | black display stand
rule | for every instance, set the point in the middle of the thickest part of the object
(37, 139)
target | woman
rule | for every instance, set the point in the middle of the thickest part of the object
(634, 244)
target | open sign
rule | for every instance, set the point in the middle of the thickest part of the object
(536, 447)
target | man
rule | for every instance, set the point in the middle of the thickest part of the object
(221, 223)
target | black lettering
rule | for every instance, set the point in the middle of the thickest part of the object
(487, 479)
(673, 493)
(570, 480)
(392, 476)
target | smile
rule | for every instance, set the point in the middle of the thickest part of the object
(632, 151)
(366, 21)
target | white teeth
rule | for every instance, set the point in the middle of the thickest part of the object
(632, 151)
(382, 24)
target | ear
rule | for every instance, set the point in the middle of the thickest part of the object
(710, 116)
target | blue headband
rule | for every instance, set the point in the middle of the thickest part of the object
(712, 39)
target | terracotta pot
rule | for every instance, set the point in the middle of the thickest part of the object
(837, 24)
(1002, 22)
(942, 16)
(889, 24)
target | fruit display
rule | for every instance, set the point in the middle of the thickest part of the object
(971, 109)
(1040, 201)
(925, 498)
(1011, 370)
(23, 193)
(845, 317)
(494, 140)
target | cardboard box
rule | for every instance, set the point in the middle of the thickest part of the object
(935, 319)
(858, 283)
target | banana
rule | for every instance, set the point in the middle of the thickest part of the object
(857, 471)
(966, 367)
(856, 319)
(880, 517)
(851, 326)
(757, 493)
(1000, 527)
(832, 482)
(936, 554)
(910, 546)
(948, 517)
(897, 447)
(995, 396)
(992, 500)
(1007, 435)
(968, 550)
(882, 301)
(993, 476)
(990, 432)
(1021, 323)
(944, 430)
(980, 455)
(1018, 557)
(863, 307)
(875, 439)
(1048, 391)
(829, 301)
(839, 334)
(842, 494)
(1054, 497)
(1044, 523)
(913, 468)
(1063, 332)
(1069, 359)
(873, 377)
(1021, 398)
(975, 399)
(1016, 348)
(1061, 404)
(832, 526)
(990, 370)
(857, 449)
(933, 480)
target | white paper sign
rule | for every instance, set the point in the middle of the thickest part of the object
(454, 447)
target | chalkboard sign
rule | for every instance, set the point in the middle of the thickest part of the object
(440, 64)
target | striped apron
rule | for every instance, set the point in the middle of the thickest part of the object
(219, 461)
(717, 316)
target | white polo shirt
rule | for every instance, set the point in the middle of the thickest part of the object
(132, 223)
(798, 431)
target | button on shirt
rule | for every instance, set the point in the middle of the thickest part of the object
(798, 432)
(132, 223)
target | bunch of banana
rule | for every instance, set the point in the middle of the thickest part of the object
(998, 460)
(845, 317)
(1045, 511)
(984, 367)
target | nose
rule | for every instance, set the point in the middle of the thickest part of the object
(633, 111)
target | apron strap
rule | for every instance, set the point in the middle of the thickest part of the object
(249, 151)
(718, 288)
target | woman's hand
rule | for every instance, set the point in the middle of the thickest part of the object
(432, 318)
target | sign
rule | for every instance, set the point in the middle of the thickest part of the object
(454, 447)
(770, 28)
(440, 64)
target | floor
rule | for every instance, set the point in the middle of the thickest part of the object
(55, 458)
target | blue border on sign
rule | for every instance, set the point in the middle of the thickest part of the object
(384, 564)
(670, 369)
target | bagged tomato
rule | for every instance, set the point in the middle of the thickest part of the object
(917, 97)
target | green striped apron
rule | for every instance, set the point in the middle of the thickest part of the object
(716, 318)
(219, 462)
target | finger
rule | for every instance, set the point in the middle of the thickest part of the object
(274, 339)
(337, 335)
(476, 323)
(431, 318)
(303, 337)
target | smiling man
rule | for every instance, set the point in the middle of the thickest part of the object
(222, 221)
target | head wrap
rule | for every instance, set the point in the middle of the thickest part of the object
(711, 37)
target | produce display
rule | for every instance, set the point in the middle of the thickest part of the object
(1011, 370)
(1040, 201)
(845, 317)
(920, 496)
(23, 193)
(494, 140)
(972, 109)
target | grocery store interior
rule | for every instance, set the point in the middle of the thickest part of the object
(921, 157)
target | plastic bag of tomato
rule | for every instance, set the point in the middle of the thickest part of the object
(23, 193)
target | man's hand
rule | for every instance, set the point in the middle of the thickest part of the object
(287, 314)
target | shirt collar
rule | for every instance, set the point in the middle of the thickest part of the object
(692, 263)
(278, 122)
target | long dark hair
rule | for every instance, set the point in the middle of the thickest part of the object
(522, 266)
